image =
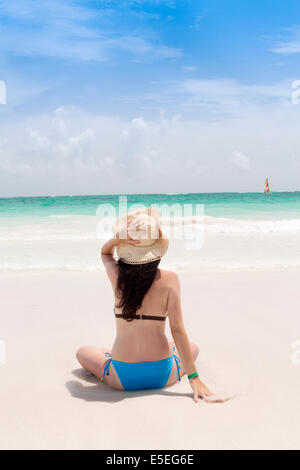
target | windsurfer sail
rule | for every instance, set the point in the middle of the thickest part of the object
(267, 187)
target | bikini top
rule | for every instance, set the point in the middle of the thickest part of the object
(141, 316)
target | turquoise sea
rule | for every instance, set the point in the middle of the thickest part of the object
(234, 205)
(234, 231)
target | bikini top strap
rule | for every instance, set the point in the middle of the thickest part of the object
(141, 317)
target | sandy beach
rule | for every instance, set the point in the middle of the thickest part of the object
(244, 322)
(192, 110)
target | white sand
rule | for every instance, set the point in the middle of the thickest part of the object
(245, 324)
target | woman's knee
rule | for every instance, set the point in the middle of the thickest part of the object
(81, 353)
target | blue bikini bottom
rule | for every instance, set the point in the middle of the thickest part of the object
(143, 375)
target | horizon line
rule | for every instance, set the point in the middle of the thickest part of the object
(146, 194)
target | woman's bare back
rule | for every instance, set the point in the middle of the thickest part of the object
(145, 340)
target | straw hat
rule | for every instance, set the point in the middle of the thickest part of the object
(142, 225)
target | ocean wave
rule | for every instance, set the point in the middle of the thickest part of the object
(82, 230)
(49, 267)
(229, 225)
(68, 237)
(62, 216)
(175, 265)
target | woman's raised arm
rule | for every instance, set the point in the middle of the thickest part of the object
(107, 252)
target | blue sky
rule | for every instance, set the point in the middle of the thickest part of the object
(130, 96)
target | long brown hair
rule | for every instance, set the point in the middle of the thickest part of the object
(134, 281)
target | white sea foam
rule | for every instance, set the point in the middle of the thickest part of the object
(184, 266)
(19, 237)
(73, 243)
(87, 228)
(222, 225)
(230, 225)
(50, 267)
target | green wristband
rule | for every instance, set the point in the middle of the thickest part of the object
(191, 376)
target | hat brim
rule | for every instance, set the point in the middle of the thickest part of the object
(132, 254)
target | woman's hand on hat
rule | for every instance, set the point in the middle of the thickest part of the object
(122, 236)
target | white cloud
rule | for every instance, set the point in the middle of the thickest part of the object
(290, 44)
(71, 151)
(140, 47)
(232, 89)
(87, 135)
(139, 123)
(67, 30)
(295, 159)
(290, 47)
(189, 68)
(215, 98)
(38, 141)
(240, 160)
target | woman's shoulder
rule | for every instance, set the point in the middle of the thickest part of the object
(169, 277)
